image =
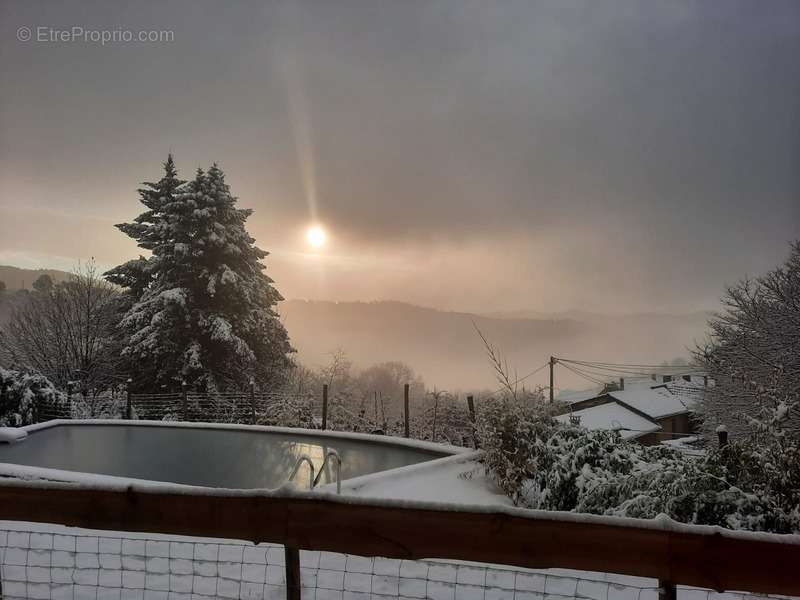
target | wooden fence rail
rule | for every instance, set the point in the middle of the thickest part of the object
(767, 564)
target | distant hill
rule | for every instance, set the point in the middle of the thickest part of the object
(17, 279)
(445, 349)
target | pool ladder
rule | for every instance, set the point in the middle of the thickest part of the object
(314, 481)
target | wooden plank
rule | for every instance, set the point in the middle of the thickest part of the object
(400, 531)
(667, 591)
(292, 560)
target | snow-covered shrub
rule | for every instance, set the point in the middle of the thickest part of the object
(24, 395)
(514, 436)
(544, 464)
(442, 417)
(745, 485)
(290, 411)
(101, 406)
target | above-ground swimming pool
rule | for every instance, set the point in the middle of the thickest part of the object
(223, 456)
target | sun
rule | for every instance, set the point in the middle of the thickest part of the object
(316, 236)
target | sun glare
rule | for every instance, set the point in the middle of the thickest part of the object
(316, 236)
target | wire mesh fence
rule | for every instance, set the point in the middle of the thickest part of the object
(219, 407)
(431, 417)
(54, 562)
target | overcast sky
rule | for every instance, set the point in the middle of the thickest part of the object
(473, 155)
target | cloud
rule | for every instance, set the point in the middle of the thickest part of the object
(615, 152)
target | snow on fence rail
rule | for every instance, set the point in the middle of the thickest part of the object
(52, 562)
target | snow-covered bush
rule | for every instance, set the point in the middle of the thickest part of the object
(544, 464)
(24, 395)
(290, 410)
(515, 436)
(101, 406)
(442, 417)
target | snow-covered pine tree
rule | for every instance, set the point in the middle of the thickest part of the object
(203, 308)
(147, 230)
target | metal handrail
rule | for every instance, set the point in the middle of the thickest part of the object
(300, 461)
(335, 455)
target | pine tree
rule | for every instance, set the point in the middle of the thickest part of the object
(135, 275)
(203, 308)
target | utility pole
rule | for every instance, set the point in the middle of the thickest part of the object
(552, 364)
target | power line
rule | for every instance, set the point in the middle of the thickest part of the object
(630, 365)
(610, 373)
(635, 371)
(582, 374)
(603, 371)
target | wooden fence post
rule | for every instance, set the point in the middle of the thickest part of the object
(128, 408)
(185, 400)
(471, 408)
(666, 590)
(292, 556)
(722, 435)
(253, 400)
(324, 406)
(405, 408)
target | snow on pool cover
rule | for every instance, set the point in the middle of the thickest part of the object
(223, 456)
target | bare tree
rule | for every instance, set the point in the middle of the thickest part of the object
(753, 355)
(508, 383)
(337, 369)
(68, 332)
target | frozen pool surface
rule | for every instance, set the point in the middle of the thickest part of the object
(229, 458)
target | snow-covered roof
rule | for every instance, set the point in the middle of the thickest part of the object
(689, 391)
(613, 416)
(656, 403)
(573, 396)
(686, 445)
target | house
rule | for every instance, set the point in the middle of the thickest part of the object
(612, 415)
(645, 409)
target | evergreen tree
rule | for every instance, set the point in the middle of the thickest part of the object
(135, 275)
(203, 308)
